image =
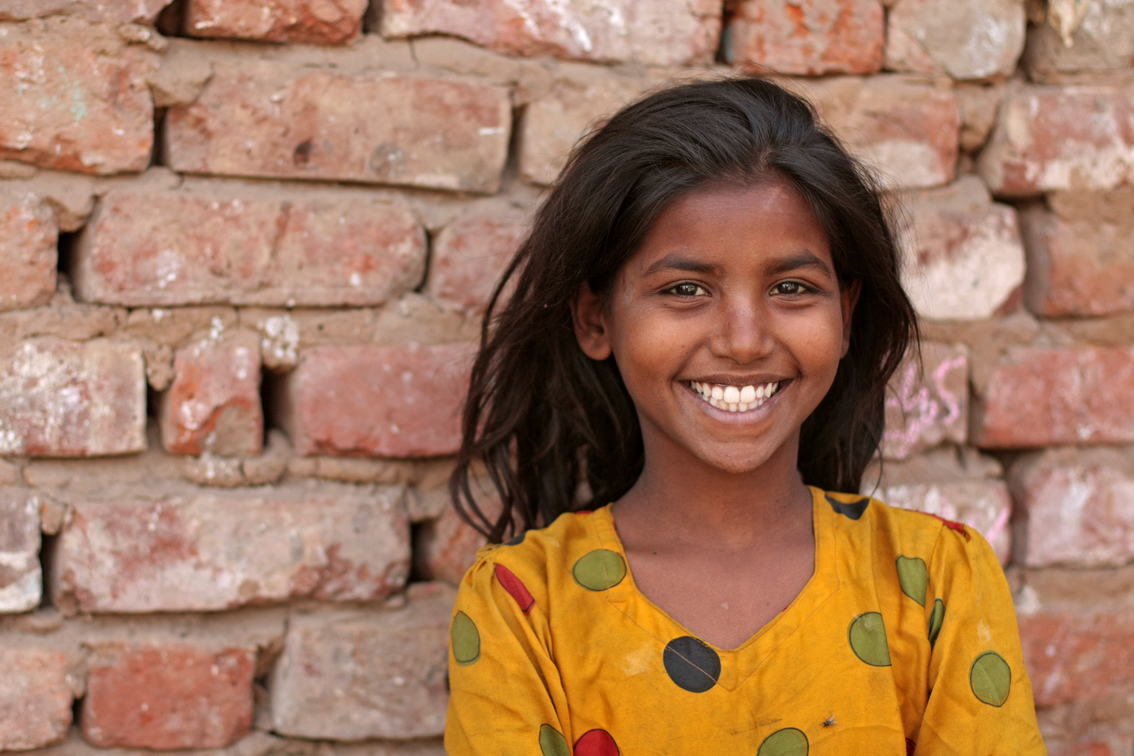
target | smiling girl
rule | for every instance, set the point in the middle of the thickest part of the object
(704, 320)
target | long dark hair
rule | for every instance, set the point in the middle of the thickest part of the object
(540, 415)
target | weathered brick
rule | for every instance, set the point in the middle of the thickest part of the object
(113, 11)
(978, 103)
(1076, 626)
(964, 257)
(906, 129)
(75, 97)
(811, 37)
(321, 22)
(21, 580)
(1103, 44)
(928, 402)
(28, 257)
(1081, 254)
(167, 695)
(221, 550)
(263, 118)
(213, 404)
(1078, 506)
(67, 399)
(35, 698)
(1054, 139)
(469, 257)
(554, 122)
(444, 546)
(660, 32)
(379, 401)
(394, 685)
(973, 39)
(212, 242)
(1039, 397)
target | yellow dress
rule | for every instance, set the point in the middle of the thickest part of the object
(903, 641)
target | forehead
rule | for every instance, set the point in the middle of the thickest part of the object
(735, 223)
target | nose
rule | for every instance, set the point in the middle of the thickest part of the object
(742, 333)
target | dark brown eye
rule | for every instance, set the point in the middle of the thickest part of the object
(687, 290)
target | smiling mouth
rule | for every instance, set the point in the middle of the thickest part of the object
(735, 398)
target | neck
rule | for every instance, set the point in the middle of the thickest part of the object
(707, 505)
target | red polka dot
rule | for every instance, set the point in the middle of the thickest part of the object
(910, 747)
(596, 743)
(515, 588)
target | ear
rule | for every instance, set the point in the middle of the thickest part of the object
(848, 298)
(589, 319)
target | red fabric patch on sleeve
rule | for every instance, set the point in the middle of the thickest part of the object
(953, 525)
(515, 588)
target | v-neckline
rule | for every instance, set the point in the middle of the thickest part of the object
(824, 581)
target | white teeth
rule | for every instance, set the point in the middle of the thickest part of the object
(732, 398)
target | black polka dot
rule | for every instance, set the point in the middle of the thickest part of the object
(516, 540)
(691, 664)
(853, 510)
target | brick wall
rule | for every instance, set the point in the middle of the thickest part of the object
(244, 248)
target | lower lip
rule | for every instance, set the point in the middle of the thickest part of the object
(738, 417)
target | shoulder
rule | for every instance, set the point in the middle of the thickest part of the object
(866, 524)
(531, 566)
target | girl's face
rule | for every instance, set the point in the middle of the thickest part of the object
(727, 325)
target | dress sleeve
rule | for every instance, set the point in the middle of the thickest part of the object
(506, 698)
(980, 697)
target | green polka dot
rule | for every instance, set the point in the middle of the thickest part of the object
(867, 636)
(599, 570)
(991, 678)
(552, 742)
(465, 639)
(789, 742)
(913, 577)
(936, 617)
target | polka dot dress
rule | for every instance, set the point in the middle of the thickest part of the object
(903, 641)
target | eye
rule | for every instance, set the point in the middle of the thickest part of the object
(687, 289)
(791, 289)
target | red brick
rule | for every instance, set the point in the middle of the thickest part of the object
(928, 402)
(554, 122)
(1081, 255)
(227, 549)
(808, 37)
(972, 39)
(469, 257)
(21, 580)
(1054, 139)
(378, 401)
(28, 237)
(394, 685)
(660, 32)
(1078, 507)
(113, 11)
(444, 546)
(906, 129)
(964, 257)
(75, 97)
(321, 22)
(1102, 45)
(227, 242)
(1039, 397)
(213, 404)
(35, 698)
(280, 121)
(1076, 627)
(167, 696)
(67, 399)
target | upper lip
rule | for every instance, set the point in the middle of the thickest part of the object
(740, 380)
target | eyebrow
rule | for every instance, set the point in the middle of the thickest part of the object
(804, 259)
(677, 261)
